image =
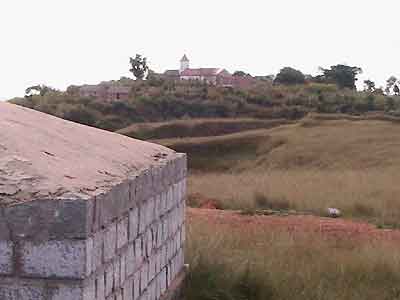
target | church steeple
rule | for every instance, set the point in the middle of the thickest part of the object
(184, 63)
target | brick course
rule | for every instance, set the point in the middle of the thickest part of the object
(126, 244)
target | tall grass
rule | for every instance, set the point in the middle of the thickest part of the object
(368, 194)
(237, 263)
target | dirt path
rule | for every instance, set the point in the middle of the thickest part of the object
(327, 227)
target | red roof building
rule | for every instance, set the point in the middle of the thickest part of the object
(215, 76)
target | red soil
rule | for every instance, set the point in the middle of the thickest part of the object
(327, 227)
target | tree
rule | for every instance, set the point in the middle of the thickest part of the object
(390, 84)
(342, 75)
(241, 74)
(369, 85)
(396, 90)
(139, 66)
(41, 90)
(289, 76)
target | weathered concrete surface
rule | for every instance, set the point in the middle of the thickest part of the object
(86, 214)
(44, 157)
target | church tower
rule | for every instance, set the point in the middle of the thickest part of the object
(184, 63)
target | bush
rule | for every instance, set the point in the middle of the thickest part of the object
(290, 76)
(81, 115)
(262, 201)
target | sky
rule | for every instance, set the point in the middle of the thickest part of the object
(64, 42)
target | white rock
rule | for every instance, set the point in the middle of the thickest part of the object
(334, 212)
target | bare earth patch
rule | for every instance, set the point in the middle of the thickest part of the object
(325, 227)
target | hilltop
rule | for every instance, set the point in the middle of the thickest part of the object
(160, 100)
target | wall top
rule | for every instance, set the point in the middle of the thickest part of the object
(44, 157)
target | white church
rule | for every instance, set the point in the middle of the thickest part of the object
(215, 76)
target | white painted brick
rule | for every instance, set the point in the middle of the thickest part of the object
(133, 223)
(130, 260)
(110, 242)
(6, 257)
(62, 259)
(122, 232)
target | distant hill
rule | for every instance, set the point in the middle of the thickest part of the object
(162, 100)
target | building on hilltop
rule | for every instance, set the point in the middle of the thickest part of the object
(120, 90)
(105, 91)
(214, 76)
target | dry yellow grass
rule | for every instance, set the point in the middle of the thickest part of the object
(370, 194)
(312, 165)
(236, 263)
(350, 165)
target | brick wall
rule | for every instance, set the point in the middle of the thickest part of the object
(124, 244)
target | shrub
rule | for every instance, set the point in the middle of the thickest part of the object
(264, 202)
(290, 76)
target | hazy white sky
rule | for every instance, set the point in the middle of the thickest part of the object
(63, 42)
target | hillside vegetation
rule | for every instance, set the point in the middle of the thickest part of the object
(196, 127)
(162, 100)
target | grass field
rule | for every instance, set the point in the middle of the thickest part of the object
(309, 166)
(243, 262)
(321, 161)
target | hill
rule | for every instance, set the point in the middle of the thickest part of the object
(310, 143)
(196, 127)
(163, 100)
(305, 166)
